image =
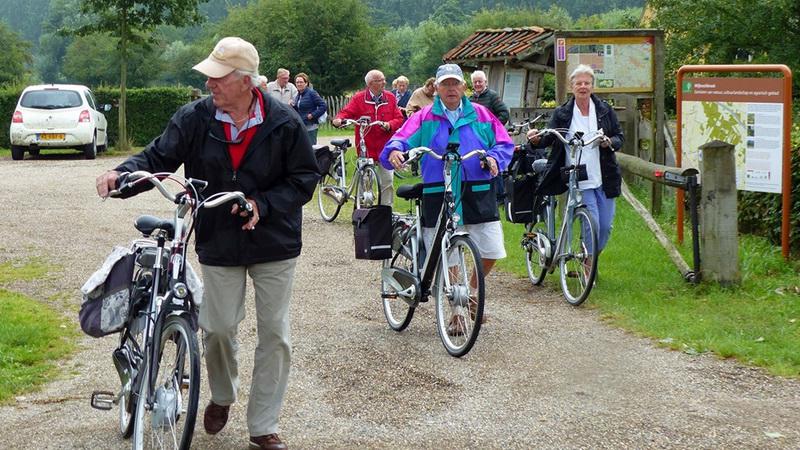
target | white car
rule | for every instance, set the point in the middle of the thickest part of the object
(58, 116)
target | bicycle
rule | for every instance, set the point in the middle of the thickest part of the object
(364, 188)
(572, 250)
(452, 268)
(158, 359)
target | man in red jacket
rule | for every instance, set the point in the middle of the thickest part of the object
(379, 105)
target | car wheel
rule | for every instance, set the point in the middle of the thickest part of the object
(104, 147)
(17, 152)
(90, 151)
(33, 151)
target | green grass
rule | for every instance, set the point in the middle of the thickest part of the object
(32, 336)
(639, 289)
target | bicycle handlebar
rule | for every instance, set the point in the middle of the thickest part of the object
(574, 140)
(417, 152)
(363, 123)
(127, 181)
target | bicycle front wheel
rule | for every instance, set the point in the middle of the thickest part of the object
(368, 188)
(536, 250)
(168, 421)
(327, 192)
(578, 258)
(459, 296)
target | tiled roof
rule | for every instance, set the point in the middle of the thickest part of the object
(492, 44)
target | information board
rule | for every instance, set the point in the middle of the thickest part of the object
(620, 63)
(744, 112)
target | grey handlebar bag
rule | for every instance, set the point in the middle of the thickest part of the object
(106, 295)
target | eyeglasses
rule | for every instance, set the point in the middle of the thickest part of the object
(236, 141)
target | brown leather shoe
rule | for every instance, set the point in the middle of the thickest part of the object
(268, 442)
(215, 417)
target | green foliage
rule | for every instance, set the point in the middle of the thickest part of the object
(554, 17)
(149, 110)
(729, 31)
(93, 60)
(25, 17)
(330, 40)
(16, 60)
(611, 20)
(398, 53)
(8, 102)
(432, 41)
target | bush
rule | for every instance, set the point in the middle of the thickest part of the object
(149, 109)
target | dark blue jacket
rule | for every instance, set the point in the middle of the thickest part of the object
(402, 100)
(309, 101)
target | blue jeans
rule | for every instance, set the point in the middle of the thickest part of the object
(312, 135)
(602, 209)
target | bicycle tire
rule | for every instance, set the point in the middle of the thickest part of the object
(133, 339)
(368, 188)
(398, 313)
(536, 251)
(177, 390)
(579, 268)
(328, 206)
(459, 313)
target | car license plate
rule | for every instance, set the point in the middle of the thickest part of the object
(51, 136)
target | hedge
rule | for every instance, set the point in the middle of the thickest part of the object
(149, 109)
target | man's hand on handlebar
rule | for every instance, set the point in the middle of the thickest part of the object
(249, 209)
(336, 122)
(106, 183)
(490, 164)
(533, 136)
(397, 159)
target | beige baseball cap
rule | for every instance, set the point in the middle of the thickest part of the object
(229, 54)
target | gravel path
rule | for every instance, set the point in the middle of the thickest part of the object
(542, 374)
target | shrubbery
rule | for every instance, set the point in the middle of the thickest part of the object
(149, 109)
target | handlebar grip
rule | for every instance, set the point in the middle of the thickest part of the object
(245, 206)
(123, 188)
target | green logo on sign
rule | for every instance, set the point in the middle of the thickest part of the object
(688, 86)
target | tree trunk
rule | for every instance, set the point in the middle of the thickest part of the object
(123, 143)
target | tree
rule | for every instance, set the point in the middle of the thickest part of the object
(432, 41)
(555, 17)
(331, 40)
(92, 60)
(133, 22)
(16, 57)
(730, 31)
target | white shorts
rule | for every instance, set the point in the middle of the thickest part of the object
(487, 236)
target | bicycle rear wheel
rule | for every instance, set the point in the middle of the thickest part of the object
(460, 296)
(397, 311)
(327, 190)
(578, 260)
(536, 246)
(368, 188)
(168, 422)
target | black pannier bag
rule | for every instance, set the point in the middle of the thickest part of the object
(324, 158)
(106, 295)
(520, 184)
(372, 232)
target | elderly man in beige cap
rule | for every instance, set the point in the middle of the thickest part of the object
(240, 139)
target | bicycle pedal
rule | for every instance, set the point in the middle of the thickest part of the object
(103, 400)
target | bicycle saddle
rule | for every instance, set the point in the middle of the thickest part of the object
(148, 224)
(342, 143)
(410, 191)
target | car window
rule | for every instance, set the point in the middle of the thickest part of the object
(90, 99)
(51, 99)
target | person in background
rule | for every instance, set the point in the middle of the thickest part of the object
(421, 97)
(482, 95)
(586, 113)
(281, 88)
(309, 105)
(262, 82)
(240, 139)
(379, 105)
(401, 92)
(452, 118)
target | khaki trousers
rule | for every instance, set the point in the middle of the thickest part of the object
(220, 314)
(386, 178)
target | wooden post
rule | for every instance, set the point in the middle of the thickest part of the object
(719, 238)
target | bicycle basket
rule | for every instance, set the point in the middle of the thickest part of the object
(325, 158)
(106, 295)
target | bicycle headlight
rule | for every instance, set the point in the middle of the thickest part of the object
(456, 218)
(180, 290)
